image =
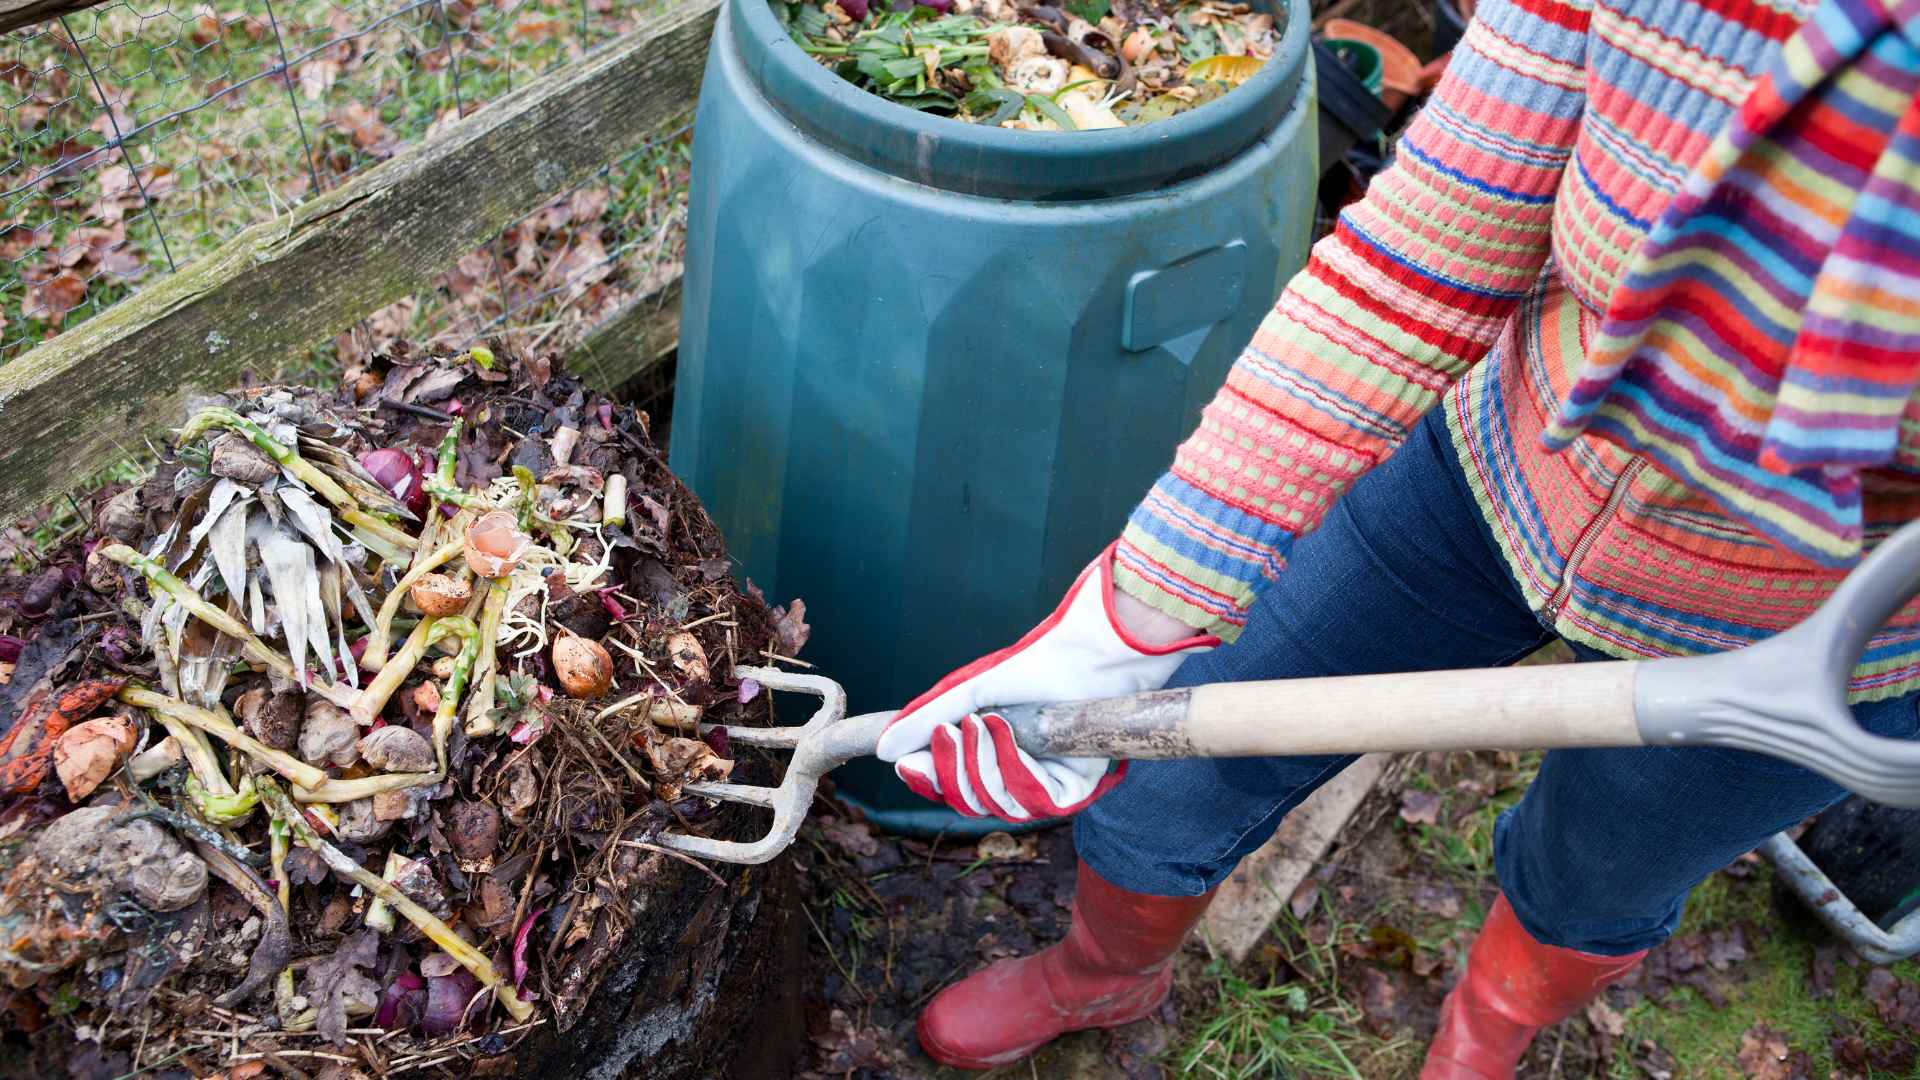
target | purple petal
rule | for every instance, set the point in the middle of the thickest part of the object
(749, 690)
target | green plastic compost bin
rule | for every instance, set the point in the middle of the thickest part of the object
(927, 367)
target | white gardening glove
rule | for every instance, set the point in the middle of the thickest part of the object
(948, 746)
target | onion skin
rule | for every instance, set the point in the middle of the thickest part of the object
(439, 594)
(396, 471)
(583, 666)
(402, 1002)
(447, 999)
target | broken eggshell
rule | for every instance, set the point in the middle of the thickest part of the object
(1012, 44)
(154, 760)
(688, 657)
(495, 545)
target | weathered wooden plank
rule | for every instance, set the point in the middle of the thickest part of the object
(17, 13)
(84, 397)
(632, 340)
(1253, 895)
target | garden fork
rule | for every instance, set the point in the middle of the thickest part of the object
(1785, 696)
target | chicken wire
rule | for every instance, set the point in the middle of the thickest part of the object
(141, 134)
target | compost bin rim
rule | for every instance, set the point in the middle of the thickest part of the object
(974, 159)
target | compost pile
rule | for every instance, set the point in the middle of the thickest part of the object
(344, 739)
(1090, 65)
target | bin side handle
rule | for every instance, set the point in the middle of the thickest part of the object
(1187, 296)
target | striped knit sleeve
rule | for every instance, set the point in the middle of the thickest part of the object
(1407, 292)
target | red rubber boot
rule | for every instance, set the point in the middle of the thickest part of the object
(1514, 986)
(1114, 967)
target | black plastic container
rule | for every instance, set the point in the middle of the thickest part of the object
(1449, 26)
(1349, 112)
(1872, 855)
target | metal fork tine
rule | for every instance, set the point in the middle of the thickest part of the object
(780, 738)
(740, 793)
(824, 742)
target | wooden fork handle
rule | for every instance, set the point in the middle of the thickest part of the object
(1533, 707)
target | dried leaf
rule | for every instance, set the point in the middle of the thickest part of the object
(219, 497)
(1437, 899)
(790, 629)
(1305, 896)
(313, 520)
(1381, 1002)
(289, 563)
(1605, 1018)
(363, 125)
(51, 300)
(1763, 1054)
(853, 837)
(319, 630)
(1419, 807)
(317, 76)
(1895, 1000)
(335, 983)
(228, 542)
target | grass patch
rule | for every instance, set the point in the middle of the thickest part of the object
(1773, 986)
(1296, 1020)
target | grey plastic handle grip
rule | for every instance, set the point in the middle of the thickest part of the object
(1787, 696)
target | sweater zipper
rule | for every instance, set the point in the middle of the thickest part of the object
(1591, 536)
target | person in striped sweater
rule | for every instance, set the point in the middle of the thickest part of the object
(1622, 349)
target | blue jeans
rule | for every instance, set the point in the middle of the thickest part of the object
(1404, 575)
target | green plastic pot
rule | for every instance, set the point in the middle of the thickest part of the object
(1360, 58)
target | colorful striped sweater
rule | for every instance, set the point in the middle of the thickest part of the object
(1474, 275)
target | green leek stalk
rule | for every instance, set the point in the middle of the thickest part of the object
(214, 724)
(435, 930)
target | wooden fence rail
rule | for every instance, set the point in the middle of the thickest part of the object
(18, 13)
(84, 398)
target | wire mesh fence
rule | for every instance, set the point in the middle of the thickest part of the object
(141, 134)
